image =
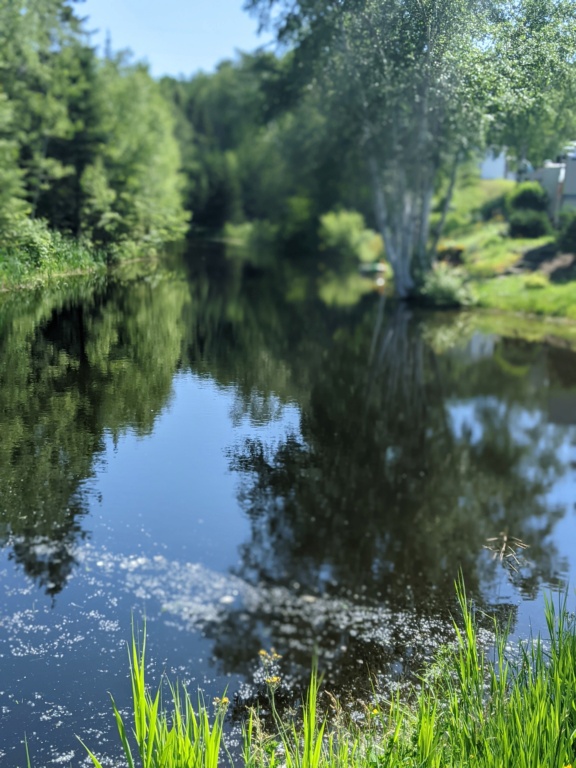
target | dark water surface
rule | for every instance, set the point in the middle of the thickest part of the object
(247, 466)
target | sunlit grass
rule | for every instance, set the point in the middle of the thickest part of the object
(178, 737)
(475, 707)
(488, 251)
(474, 199)
(48, 256)
(472, 711)
(512, 293)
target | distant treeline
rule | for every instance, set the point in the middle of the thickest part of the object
(256, 146)
(87, 146)
(99, 160)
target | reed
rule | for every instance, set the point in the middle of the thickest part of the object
(177, 735)
(474, 708)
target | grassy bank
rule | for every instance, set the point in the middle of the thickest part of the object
(515, 274)
(36, 254)
(474, 708)
(519, 293)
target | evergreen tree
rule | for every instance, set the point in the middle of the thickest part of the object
(131, 191)
(86, 146)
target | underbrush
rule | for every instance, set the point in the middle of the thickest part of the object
(489, 709)
(446, 286)
(33, 253)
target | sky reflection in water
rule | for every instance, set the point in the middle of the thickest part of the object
(249, 471)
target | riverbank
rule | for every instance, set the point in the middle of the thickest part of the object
(43, 255)
(492, 707)
(533, 296)
(51, 256)
(531, 275)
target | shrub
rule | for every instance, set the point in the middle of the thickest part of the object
(493, 209)
(529, 223)
(450, 252)
(536, 280)
(567, 235)
(35, 242)
(528, 196)
(445, 286)
(346, 233)
(30, 252)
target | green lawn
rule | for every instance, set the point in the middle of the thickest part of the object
(488, 254)
(512, 293)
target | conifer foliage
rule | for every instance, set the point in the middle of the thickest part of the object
(86, 144)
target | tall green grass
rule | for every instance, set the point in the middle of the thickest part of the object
(179, 737)
(35, 254)
(475, 707)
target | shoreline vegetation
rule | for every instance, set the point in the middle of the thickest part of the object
(64, 257)
(479, 264)
(89, 163)
(479, 704)
(68, 259)
(101, 163)
(502, 245)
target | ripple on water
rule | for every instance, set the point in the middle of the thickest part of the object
(82, 644)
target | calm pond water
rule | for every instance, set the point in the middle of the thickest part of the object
(251, 460)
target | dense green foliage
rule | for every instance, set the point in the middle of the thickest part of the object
(445, 286)
(529, 223)
(349, 118)
(528, 196)
(532, 105)
(352, 118)
(567, 234)
(86, 146)
(256, 146)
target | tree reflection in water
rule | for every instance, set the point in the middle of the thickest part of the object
(406, 463)
(76, 365)
(418, 442)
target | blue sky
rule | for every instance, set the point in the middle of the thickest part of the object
(174, 36)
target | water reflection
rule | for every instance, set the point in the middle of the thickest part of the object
(407, 462)
(74, 368)
(275, 469)
(420, 440)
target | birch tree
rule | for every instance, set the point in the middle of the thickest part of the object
(533, 44)
(410, 76)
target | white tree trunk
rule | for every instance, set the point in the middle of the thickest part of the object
(396, 227)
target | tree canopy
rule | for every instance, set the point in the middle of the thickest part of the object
(369, 105)
(419, 84)
(86, 145)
